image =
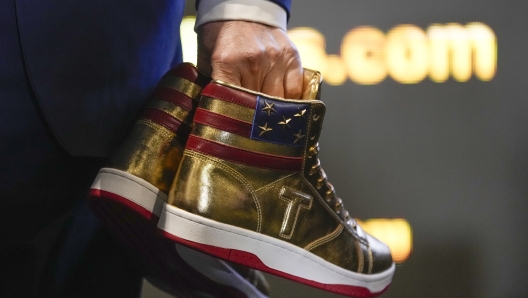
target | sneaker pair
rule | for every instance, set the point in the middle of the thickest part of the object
(249, 188)
(128, 196)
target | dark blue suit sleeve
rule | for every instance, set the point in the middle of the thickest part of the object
(286, 4)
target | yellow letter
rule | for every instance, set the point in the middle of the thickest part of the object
(484, 50)
(311, 46)
(362, 53)
(396, 233)
(460, 52)
(406, 54)
(439, 46)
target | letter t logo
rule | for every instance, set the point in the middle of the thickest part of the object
(296, 200)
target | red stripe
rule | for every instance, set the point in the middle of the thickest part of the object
(239, 97)
(242, 156)
(175, 97)
(166, 121)
(251, 260)
(96, 195)
(190, 73)
(222, 122)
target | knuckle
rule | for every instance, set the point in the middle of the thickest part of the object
(223, 57)
(273, 52)
(253, 62)
(290, 51)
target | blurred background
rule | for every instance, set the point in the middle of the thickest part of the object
(425, 137)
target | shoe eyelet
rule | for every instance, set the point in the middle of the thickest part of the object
(312, 171)
(329, 196)
(319, 183)
(312, 152)
(338, 205)
(315, 168)
(322, 179)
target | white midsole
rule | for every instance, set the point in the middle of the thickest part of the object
(131, 188)
(274, 253)
(152, 199)
(217, 270)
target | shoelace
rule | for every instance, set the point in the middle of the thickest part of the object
(330, 196)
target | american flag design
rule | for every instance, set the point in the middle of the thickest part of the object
(280, 122)
(173, 102)
(250, 128)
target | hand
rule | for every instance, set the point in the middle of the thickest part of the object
(250, 55)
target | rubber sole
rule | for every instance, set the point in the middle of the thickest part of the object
(130, 191)
(130, 207)
(268, 254)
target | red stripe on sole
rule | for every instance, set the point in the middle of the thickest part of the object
(98, 194)
(238, 97)
(234, 154)
(134, 229)
(222, 122)
(251, 260)
(167, 121)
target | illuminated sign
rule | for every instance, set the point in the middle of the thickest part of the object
(406, 53)
(396, 233)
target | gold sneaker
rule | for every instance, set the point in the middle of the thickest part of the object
(129, 193)
(250, 189)
(141, 171)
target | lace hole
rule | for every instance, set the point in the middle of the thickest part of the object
(319, 184)
(329, 196)
(338, 205)
(312, 152)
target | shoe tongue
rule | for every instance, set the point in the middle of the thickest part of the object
(311, 84)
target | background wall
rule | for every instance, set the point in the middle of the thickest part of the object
(450, 158)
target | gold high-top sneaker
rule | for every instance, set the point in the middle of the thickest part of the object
(129, 193)
(141, 170)
(251, 190)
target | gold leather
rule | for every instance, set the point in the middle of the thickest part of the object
(151, 151)
(181, 85)
(175, 111)
(299, 207)
(312, 84)
(221, 193)
(217, 135)
(227, 109)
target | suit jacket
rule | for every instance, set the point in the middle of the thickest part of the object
(92, 64)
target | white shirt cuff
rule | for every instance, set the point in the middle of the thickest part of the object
(258, 11)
